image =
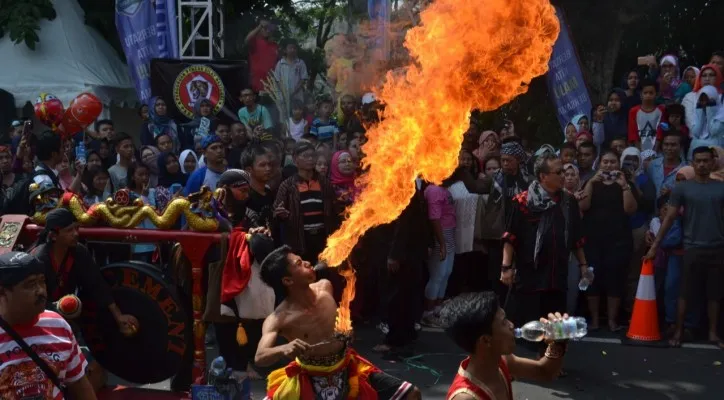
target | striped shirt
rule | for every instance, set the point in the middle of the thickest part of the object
(311, 206)
(324, 131)
(52, 338)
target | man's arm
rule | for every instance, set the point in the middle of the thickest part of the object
(253, 34)
(665, 226)
(266, 353)
(81, 390)
(545, 369)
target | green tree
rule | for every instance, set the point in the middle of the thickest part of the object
(21, 19)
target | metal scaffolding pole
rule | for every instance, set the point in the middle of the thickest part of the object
(200, 29)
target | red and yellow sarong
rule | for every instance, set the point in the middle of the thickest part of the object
(294, 380)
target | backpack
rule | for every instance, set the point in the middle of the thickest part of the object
(17, 198)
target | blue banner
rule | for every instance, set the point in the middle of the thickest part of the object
(565, 79)
(166, 29)
(146, 32)
(379, 13)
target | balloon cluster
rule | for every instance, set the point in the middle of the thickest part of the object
(81, 112)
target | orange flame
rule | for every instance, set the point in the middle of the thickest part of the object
(468, 54)
(344, 318)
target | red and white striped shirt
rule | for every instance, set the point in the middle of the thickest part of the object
(52, 338)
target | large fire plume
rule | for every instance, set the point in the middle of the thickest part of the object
(466, 54)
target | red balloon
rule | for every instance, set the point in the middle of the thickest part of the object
(49, 110)
(69, 127)
(85, 109)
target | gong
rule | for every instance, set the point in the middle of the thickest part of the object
(156, 351)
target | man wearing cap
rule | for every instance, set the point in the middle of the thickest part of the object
(69, 266)
(23, 298)
(304, 206)
(511, 180)
(208, 175)
(240, 299)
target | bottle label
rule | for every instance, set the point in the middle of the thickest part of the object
(568, 328)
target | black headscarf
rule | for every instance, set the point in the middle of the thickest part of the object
(615, 124)
(16, 266)
(236, 208)
(58, 219)
(165, 178)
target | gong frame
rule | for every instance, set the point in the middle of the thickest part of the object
(194, 245)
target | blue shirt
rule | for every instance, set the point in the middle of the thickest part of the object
(324, 131)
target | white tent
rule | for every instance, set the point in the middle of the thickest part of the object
(71, 58)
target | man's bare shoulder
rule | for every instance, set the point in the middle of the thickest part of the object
(322, 285)
(279, 316)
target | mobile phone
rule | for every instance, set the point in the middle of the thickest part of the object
(175, 188)
(27, 130)
(646, 60)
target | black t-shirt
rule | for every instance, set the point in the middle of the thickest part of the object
(606, 219)
(261, 207)
(233, 157)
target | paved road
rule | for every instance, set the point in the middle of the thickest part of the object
(598, 368)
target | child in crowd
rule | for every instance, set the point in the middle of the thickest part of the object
(96, 182)
(297, 125)
(322, 165)
(597, 114)
(288, 152)
(674, 122)
(138, 183)
(645, 118)
(568, 153)
(618, 145)
(324, 127)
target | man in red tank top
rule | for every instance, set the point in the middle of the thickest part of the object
(479, 326)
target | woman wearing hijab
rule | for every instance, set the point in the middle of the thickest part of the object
(608, 202)
(170, 172)
(707, 128)
(668, 77)
(632, 166)
(149, 158)
(710, 75)
(615, 122)
(488, 142)
(200, 126)
(582, 123)
(159, 122)
(188, 161)
(688, 80)
(343, 173)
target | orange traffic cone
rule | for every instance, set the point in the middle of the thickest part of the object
(644, 328)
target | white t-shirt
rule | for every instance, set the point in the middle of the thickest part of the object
(655, 225)
(296, 129)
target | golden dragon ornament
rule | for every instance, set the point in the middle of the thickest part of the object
(125, 211)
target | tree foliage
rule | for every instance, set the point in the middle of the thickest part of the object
(21, 19)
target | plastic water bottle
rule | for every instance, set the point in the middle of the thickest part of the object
(218, 371)
(586, 279)
(80, 152)
(536, 331)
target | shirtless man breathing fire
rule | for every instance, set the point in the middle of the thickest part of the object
(324, 366)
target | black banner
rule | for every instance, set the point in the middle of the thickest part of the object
(182, 82)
